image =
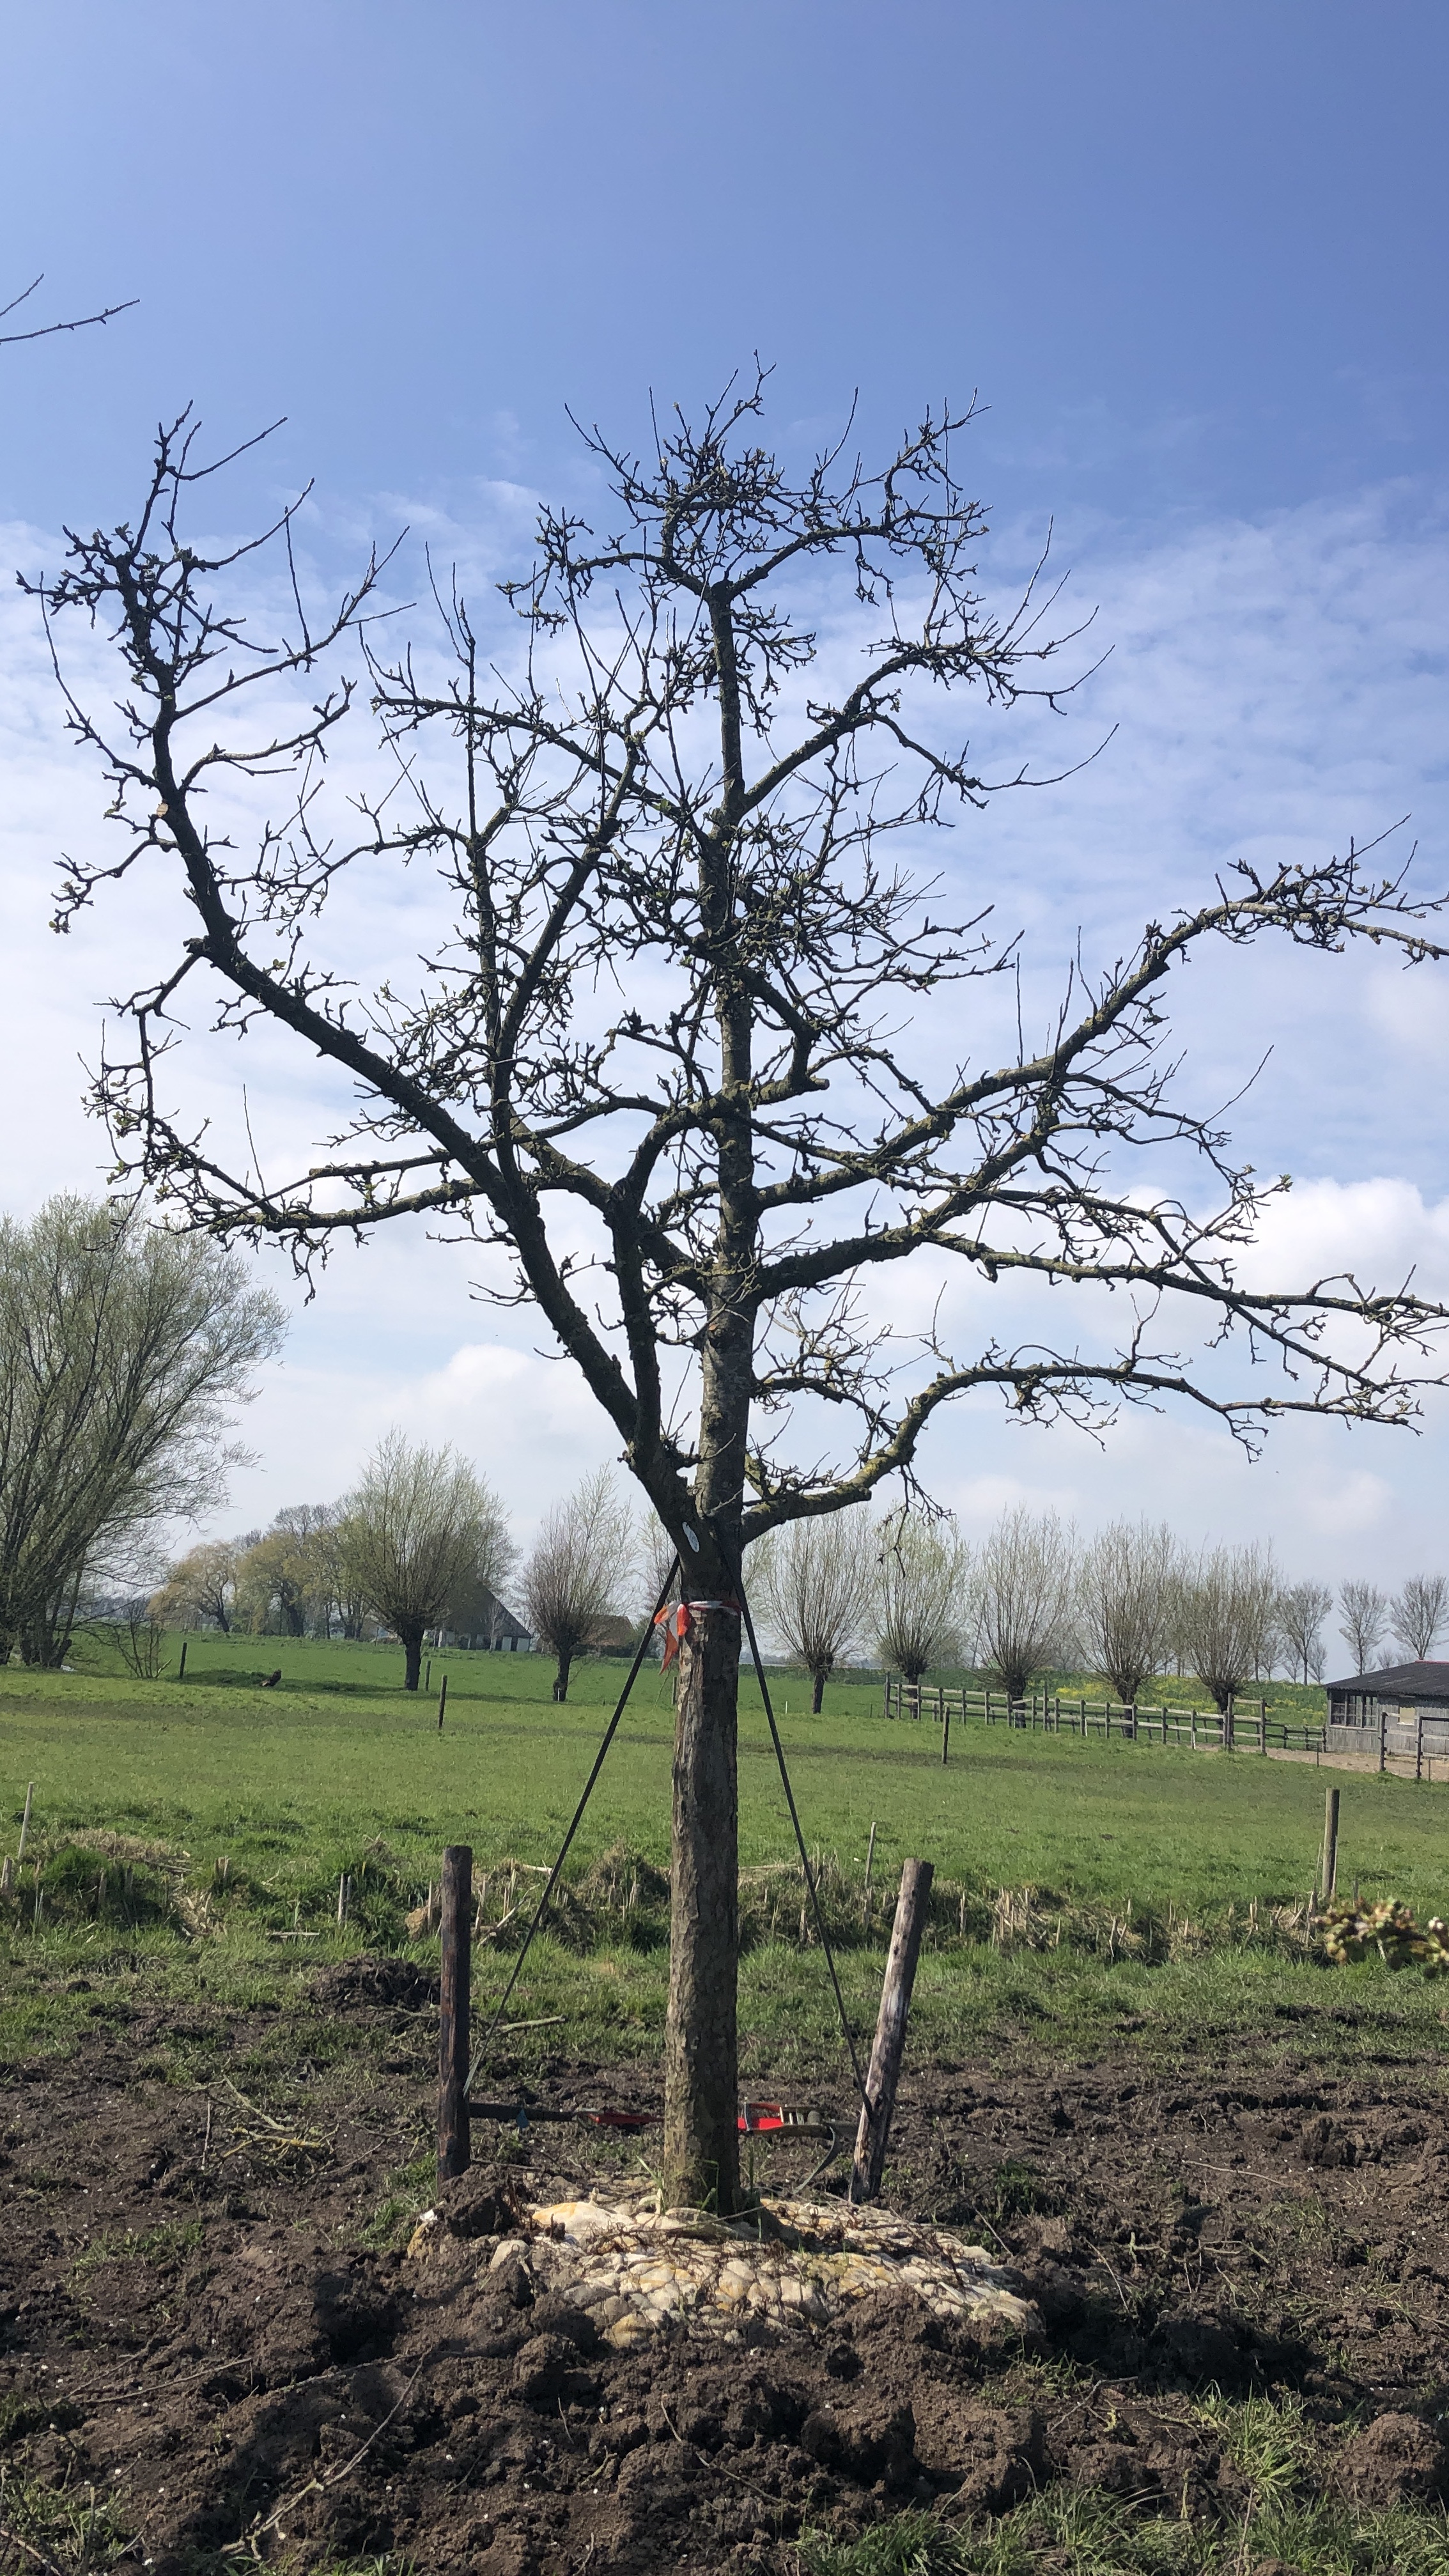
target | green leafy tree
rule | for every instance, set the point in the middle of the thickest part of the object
(420, 1522)
(200, 1590)
(124, 1353)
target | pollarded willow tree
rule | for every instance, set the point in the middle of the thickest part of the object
(655, 1052)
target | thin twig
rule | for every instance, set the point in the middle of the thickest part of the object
(18, 2541)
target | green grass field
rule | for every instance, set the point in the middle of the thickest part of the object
(340, 1769)
(189, 1836)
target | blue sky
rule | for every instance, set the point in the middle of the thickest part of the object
(1194, 260)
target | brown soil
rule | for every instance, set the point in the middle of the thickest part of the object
(192, 2321)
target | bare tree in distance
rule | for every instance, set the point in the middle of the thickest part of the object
(922, 1583)
(816, 1582)
(1419, 1614)
(1227, 1604)
(1126, 1598)
(124, 1351)
(199, 1588)
(671, 792)
(1363, 1619)
(1023, 1586)
(1301, 1611)
(419, 1520)
(573, 1577)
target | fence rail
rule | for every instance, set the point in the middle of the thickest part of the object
(1245, 1727)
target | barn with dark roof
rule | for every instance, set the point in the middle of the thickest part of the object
(1402, 1707)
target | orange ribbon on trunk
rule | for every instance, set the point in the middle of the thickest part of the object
(676, 1623)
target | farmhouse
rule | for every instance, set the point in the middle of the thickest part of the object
(490, 1625)
(1404, 1706)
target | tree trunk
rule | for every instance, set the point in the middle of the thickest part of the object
(701, 2139)
(817, 1693)
(561, 1677)
(412, 1644)
(701, 2059)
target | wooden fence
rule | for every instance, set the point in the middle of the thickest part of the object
(1245, 1727)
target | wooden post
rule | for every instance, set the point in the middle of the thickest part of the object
(454, 2149)
(181, 1667)
(25, 1819)
(945, 1729)
(890, 2030)
(428, 1674)
(442, 1702)
(1329, 1872)
(1419, 1748)
(1383, 1737)
(344, 1892)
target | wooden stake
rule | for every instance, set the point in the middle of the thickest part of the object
(181, 1667)
(442, 1702)
(1329, 1872)
(25, 1819)
(945, 1729)
(890, 2030)
(344, 1892)
(454, 2145)
(7, 1876)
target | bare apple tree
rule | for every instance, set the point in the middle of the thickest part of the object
(671, 792)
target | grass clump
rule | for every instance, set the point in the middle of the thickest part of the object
(1077, 2533)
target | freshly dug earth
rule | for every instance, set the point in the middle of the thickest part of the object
(206, 2312)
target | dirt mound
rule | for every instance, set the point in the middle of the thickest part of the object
(206, 2314)
(394, 1983)
(1395, 2460)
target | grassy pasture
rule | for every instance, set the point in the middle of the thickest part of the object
(291, 1786)
(341, 1753)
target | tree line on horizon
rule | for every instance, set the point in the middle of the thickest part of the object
(124, 1350)
(1132, 1603)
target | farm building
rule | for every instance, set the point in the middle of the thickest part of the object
(1402, 1707)
(488, 1624)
